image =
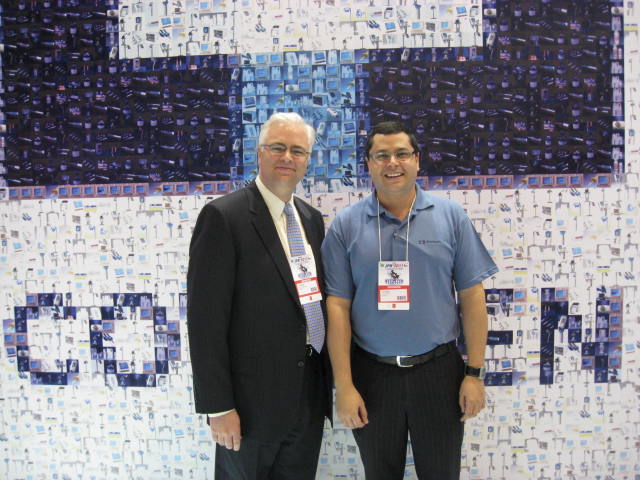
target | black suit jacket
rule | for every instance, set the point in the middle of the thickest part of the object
(247, 329)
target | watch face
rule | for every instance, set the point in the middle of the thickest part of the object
(475, 372)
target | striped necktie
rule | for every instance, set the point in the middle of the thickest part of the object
(313, 311)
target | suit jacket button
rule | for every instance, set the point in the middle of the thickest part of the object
(301, 363)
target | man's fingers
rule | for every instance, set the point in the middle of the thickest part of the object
(467, 414)
(229, 441)
(351, 410)
(225, 430)
(347, 420)
(236, 442)
(352, 421)
(470, 410)
(364, 415)
(358, 420)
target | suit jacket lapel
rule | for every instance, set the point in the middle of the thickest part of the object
(267, 232)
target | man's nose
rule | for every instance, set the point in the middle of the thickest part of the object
(393, 160)
(287, 155)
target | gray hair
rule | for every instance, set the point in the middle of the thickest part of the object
(288, 118)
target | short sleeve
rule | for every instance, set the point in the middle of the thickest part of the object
(335, 259)
(472, 262)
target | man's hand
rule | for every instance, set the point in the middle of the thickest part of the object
(351, 409)
(225, 430)
(472, 397)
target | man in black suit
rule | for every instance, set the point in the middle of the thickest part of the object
(260, 367)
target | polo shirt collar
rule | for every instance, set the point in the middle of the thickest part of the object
(423, 201)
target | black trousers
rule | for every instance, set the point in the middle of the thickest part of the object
(421, 400)
(296, 456)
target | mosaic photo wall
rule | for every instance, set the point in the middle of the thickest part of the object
(120, 120)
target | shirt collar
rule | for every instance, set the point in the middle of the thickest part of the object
(423, 201)
(274, 204)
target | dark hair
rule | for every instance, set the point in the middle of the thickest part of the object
(390, 128)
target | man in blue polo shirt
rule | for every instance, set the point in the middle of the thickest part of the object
(393, 263)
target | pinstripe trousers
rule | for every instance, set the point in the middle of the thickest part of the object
(420, 400)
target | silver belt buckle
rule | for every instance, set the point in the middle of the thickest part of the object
(399, 361)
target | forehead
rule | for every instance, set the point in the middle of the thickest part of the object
(288, 133)
(392, 141)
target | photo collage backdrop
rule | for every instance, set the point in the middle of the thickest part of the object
(542, 94)
(120, 120)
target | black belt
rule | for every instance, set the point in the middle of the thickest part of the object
(413, 360)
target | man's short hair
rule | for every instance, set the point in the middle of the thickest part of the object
(290, 118)
(391, 128)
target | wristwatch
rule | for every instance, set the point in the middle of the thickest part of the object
(479, 373)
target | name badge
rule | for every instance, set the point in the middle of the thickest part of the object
(393, 286)
(305, 278)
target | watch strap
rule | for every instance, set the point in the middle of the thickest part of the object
(477, 372)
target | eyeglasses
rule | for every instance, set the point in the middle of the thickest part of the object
(279, 149)
(385, 157)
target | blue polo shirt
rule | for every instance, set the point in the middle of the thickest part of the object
(445, 253)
